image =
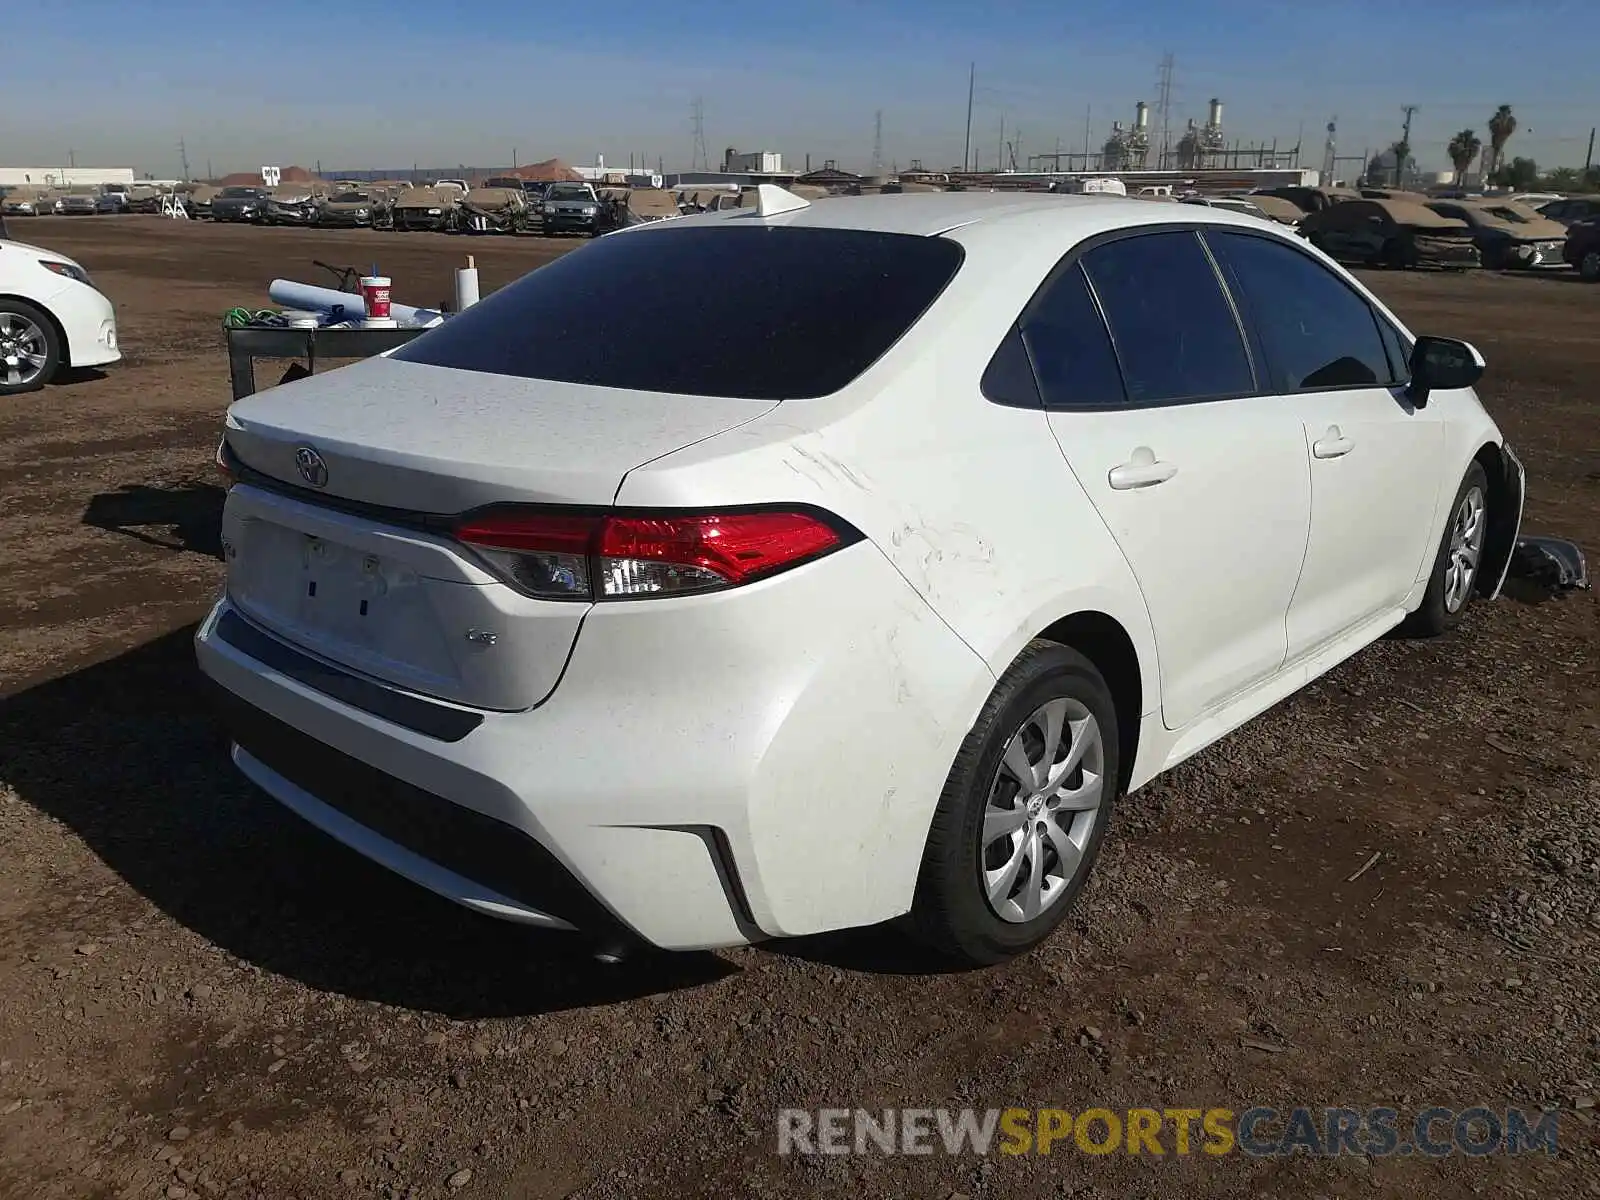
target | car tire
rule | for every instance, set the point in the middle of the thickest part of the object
(1465, 531)
(22, 320)
(955, 910)
(1589, 267)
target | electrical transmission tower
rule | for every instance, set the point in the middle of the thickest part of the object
(702, 156)
(183, 157)
(877, 143)
(1164, 107)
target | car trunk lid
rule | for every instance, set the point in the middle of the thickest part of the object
(337, 540)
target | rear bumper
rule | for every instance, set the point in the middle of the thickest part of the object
(701, 777)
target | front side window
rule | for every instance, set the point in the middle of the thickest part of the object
(1175, 332)
(1315, 331)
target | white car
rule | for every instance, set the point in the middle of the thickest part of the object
(51, 316)
(859, 587)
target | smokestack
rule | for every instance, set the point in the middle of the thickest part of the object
(1214, 119)
(1141, 115)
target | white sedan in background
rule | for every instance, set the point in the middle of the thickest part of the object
(51, 316)
(861, 586)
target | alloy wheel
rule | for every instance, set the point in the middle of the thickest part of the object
(1466, 546)
(1041, 810)
(23, 350)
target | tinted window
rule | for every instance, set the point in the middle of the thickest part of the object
(1315, 331)
(1175, 332)
(1070, 348)
(760, 312)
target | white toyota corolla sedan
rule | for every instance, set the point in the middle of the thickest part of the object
(51, 316)
(798, 567)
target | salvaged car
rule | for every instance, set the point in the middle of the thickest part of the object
(347, 210)
(77, 204)
(1309, 199)
(1571, 210)
(239, 204)
(1582, 249)
(1391, 233)
(23, 203)
(1276, 208)
(145, 198)
(198, 200)
(730, 610)
(426, 208)
(1509, 236)
(573, 208)
(493, 210)
(291, 204)
(643, 206)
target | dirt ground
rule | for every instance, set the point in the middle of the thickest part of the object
(200, 996)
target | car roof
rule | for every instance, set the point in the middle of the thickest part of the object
(933, 213)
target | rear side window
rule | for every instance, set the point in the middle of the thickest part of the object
(1175, 332)
(764, 313)
(1315, 331)
(1070, 348)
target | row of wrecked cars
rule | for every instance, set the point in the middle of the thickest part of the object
(1402, 229)
(499, 205)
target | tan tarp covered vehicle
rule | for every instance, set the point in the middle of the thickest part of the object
(426, 208)
(494, 210)
(1285, 212)
(1393, 233)
(1510, 235)
(650, 204)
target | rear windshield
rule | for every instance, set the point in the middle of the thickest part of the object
(762, 313)
(239, 193)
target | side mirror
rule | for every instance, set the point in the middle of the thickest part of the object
(1442, 364)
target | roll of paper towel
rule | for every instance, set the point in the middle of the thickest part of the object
(349, 305)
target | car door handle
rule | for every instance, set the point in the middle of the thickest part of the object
(1141, 471)
(1332, 444)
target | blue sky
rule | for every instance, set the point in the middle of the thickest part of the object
(383, 84)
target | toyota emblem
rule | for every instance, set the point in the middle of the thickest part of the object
(310, 465)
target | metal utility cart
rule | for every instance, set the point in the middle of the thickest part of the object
(246, 343)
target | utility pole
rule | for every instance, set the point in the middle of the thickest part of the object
(1088, 118)
(72, 159)
(1588, 158)
(877, 143)
(183, 157)
(210, 174)
(966, 153)
(1000, 147)
(1403, 150)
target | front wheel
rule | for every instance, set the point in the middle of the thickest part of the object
(1589, 267)
(1023, 813)
(30, 352)
(1455, 567)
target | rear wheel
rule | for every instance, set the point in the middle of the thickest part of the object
(30, 351)
(1024, 810)
(1455, 567)
(1589, 267)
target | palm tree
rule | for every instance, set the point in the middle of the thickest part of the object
(1501, 126)
(1463, 148)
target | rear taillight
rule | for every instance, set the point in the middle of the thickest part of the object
(620, 556)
